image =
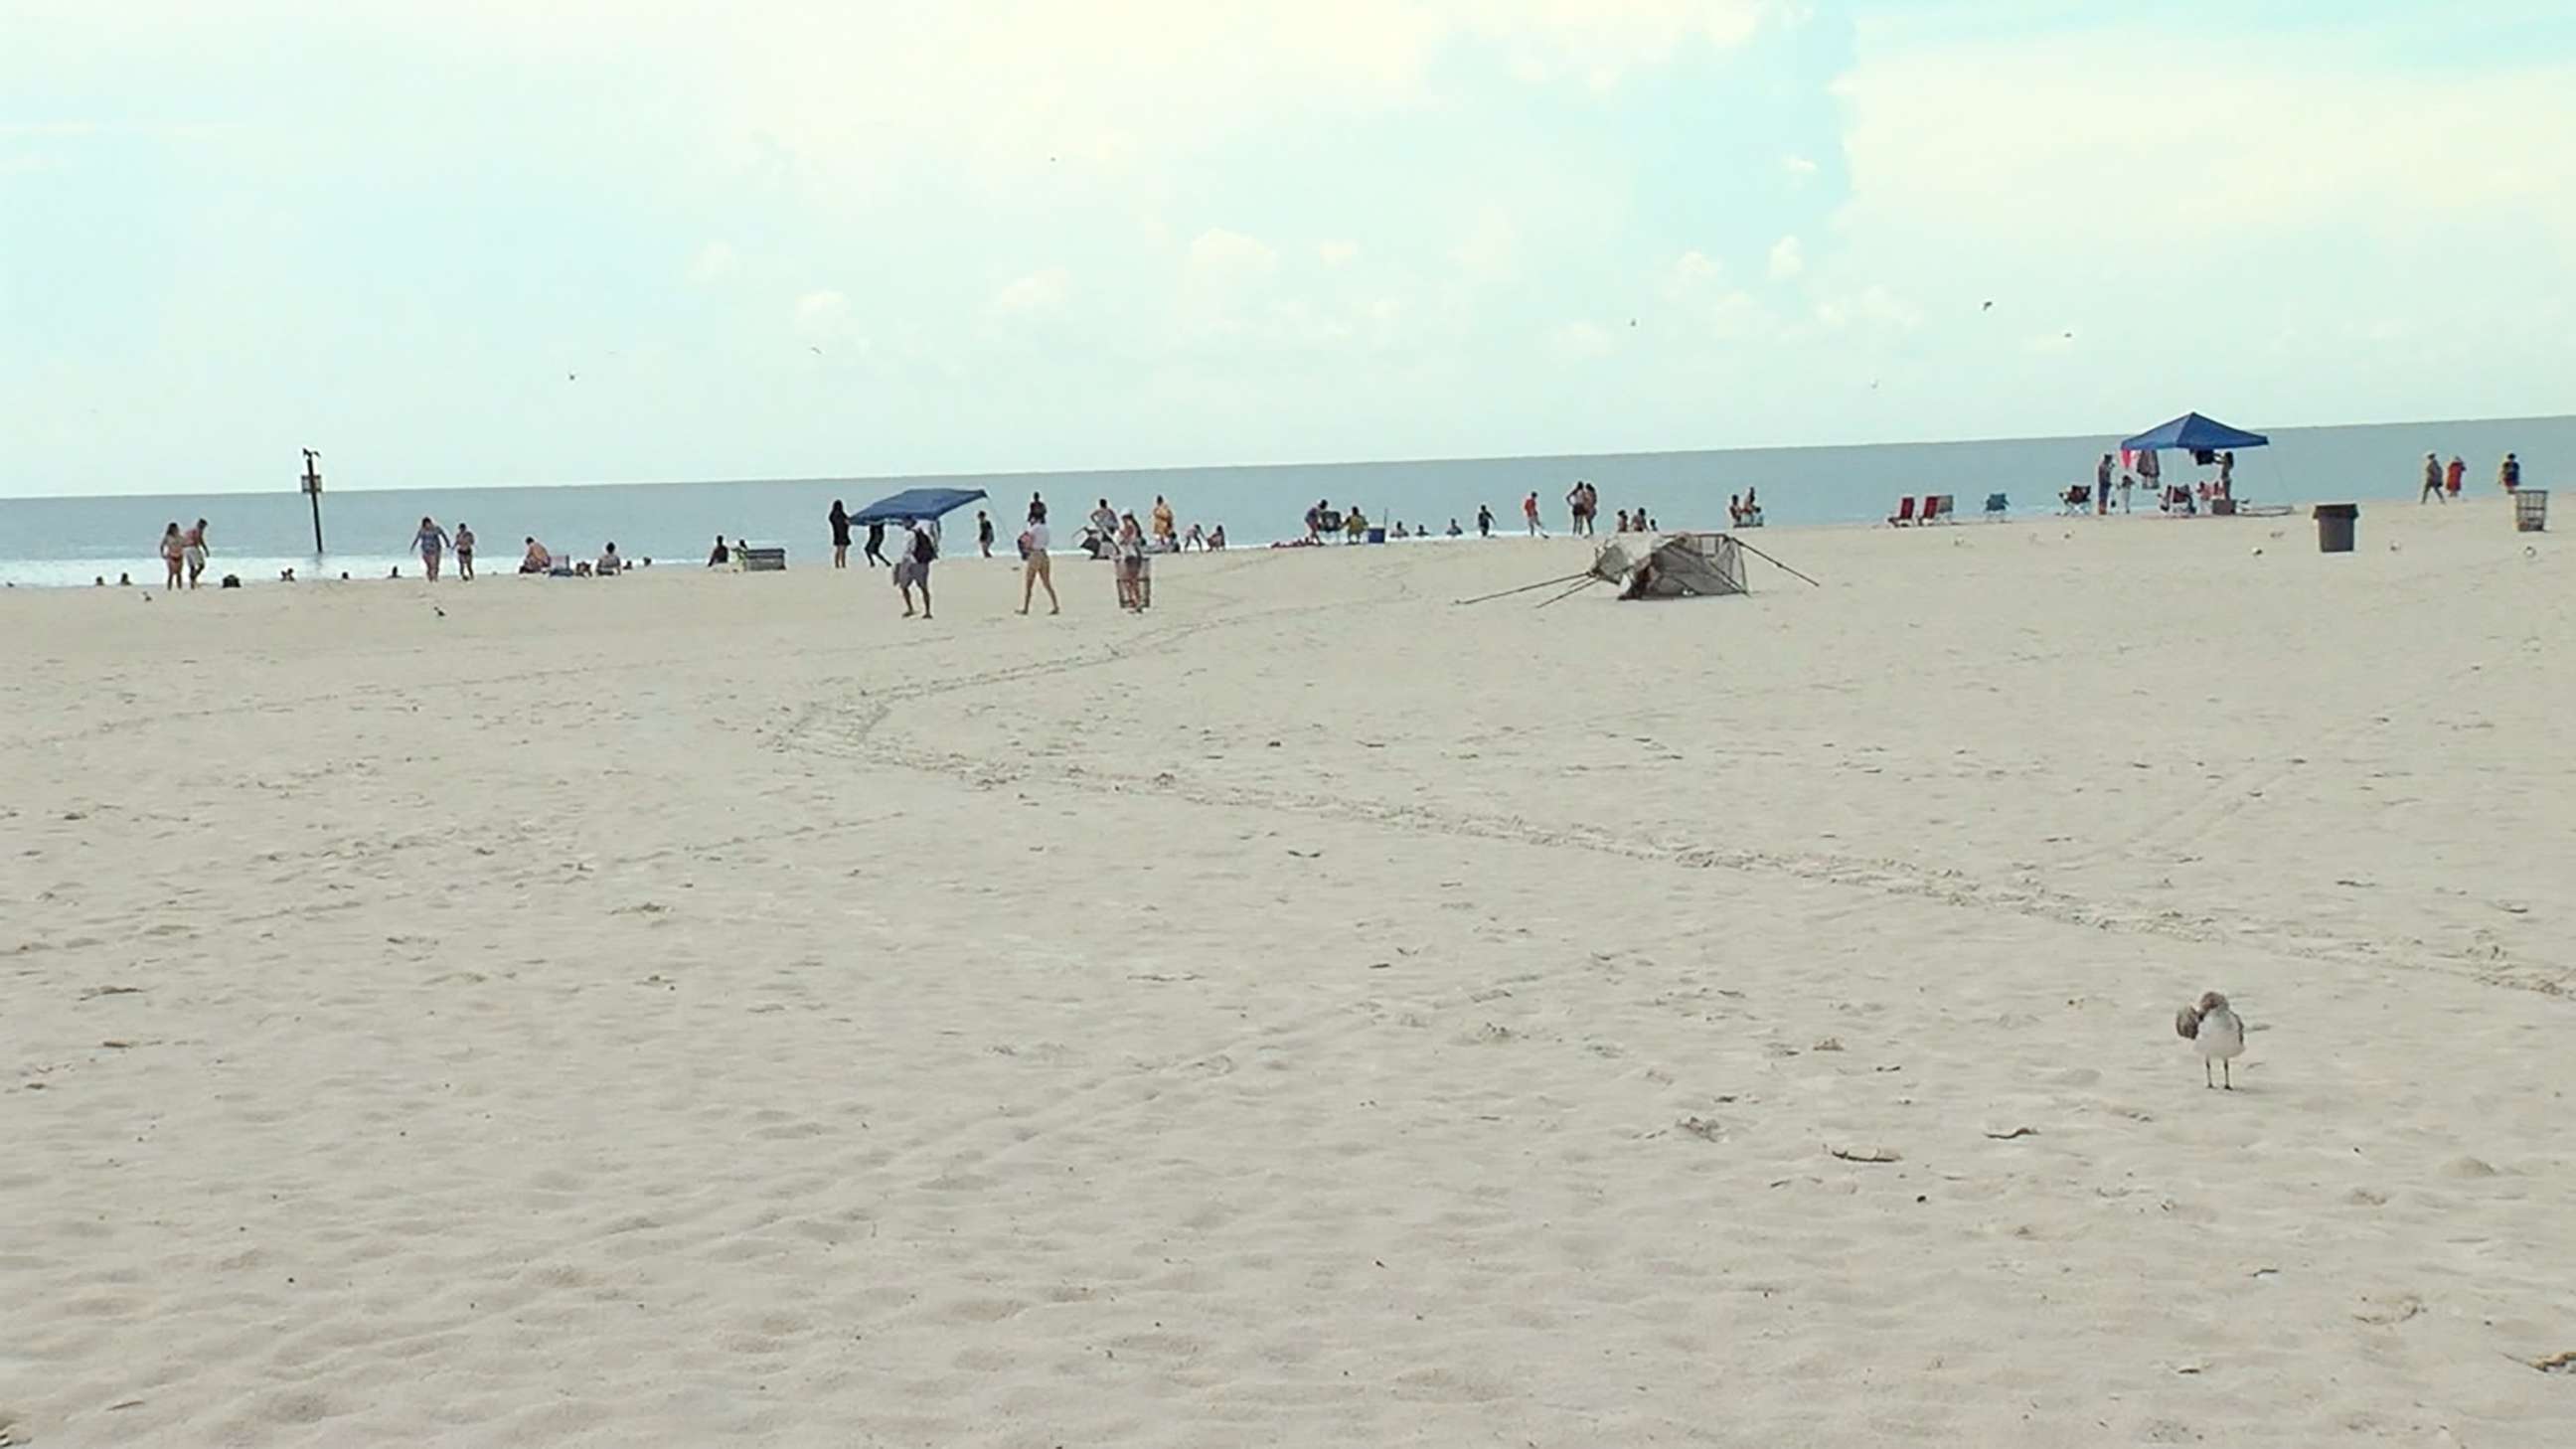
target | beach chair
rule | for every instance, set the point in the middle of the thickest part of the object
(1938, 509)
(1996, 506)
(764, 559)
(2076, 499)
(1904, 513)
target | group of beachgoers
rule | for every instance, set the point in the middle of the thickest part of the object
(1109, 533)
(2442, 483)
(1352, 525)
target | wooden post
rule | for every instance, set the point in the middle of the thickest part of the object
(313, 491)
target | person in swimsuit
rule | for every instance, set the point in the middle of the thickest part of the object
(431, 541)
(536, 560)
(1037, 568)
(1037, 509)
(1130, 558)
(840, 521)
(174, 552)
(464, 552)
(194, 544)
(1163, 534)
(716, 558)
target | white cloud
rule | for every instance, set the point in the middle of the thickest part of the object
(822, 314)
(1040, 292)
(1695, 286)
(715, 262)
(1219, 257)
(1490, 251)
(1871, 306)
(1691, 272)
(1798, 167)
(1337, 253)
(1788, 259)
(1579, 342)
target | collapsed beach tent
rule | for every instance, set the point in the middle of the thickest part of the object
(1672, 565)
(2192, 433)
(916, 503)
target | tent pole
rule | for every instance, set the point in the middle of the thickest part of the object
(1570, 593)
(1773, 562)
(1525, 588)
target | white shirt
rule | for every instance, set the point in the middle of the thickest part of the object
(1039, 538)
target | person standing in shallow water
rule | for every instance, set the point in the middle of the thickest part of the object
(839, 518)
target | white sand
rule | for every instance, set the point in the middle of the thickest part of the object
(707, 1009)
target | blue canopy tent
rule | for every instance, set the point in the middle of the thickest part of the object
(2193, 433)
(916, 503)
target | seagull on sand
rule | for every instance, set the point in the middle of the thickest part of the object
(2219, 1032)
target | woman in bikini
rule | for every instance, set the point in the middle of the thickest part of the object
(174, 552)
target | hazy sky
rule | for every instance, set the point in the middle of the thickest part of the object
(481, 241)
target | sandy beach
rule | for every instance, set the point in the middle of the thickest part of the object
(711, 1009)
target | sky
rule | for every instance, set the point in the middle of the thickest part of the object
(528, 241)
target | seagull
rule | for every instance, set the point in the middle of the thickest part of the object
(1987, 308)
(572, 377)
(817, 351)
(2219, 1031)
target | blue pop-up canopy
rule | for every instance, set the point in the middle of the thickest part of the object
(916, 503)
(2193, 433)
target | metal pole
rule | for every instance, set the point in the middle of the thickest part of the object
(313, 492)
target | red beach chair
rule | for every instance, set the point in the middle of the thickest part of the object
(1904, 513)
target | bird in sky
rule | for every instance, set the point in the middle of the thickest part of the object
(1987, 308)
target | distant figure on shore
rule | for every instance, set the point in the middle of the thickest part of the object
(174, 553)
(431, 541)
(715, 557)
(1195, 538)
(2126, 483)
(875, 551)
(609, 563)
(1216, 539)
(839, 518)
(1354, 525)
(2432, 479)
(464, 551)
(2454, 476)
(1580, 500)
(1622, 522)
(984, 532)
(1455, 531)
(194, 542)
(1162, 519)
(537, 561)
(2509, 474)
(1036, 568)
(2227, 474)
(1529, 515)
(1484, 521)
(126, 581)
(1037, 509)
(2102, 485)
(913, 569)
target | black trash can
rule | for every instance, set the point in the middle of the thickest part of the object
(2335, 523)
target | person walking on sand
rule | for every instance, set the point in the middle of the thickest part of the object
(1484, 521)
(2432, 480)
(1163, 534)
(1529, 515)
(984, 532)
(1130, 556)
(913, 570)
(875, 551)
(2102, 486)
(431, 542)
(1037, 567)
(839, 518)
(194, 546)
(2509, 474)
(464, 552)
(174, 553)
(2454, 476)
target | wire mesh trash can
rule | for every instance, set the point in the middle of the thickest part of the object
(2335, 523)
(2531, 510)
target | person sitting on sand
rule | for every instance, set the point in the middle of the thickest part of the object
(609, 562)
(1354, 525)
(1216, 539)
(716, 559)
(537, 560)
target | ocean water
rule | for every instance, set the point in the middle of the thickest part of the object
(71, 541)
